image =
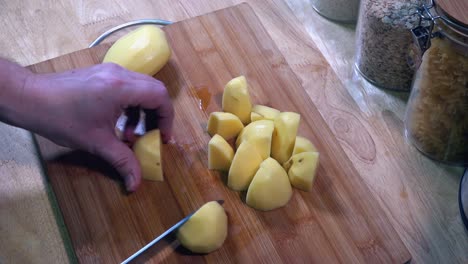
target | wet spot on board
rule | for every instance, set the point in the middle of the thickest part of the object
(204, 97)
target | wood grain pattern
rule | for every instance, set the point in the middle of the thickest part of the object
(337, 222)
(418, 194)
(27, 219)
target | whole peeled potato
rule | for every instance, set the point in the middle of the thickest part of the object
(144, 50)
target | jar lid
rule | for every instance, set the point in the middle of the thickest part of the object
(454, 10)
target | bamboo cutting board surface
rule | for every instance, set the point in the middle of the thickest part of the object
(338, 222)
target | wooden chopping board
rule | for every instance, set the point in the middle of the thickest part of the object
(338, 222)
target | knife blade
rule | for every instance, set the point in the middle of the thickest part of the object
(160, 237)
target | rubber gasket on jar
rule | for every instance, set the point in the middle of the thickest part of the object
(463, 198)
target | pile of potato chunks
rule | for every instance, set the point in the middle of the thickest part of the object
(269, 156)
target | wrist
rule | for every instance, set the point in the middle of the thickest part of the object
(14, 83)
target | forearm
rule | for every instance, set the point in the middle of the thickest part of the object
(79, 108)
(13, 80)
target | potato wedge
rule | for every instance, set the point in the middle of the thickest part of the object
(302, 169)
(260, 134)
(220, 154)
(206, 230)
(260, 112)
(284, 136)
(302, 144)
(236, 99)
(147, 150)
(244, 166)
(226, 125)
(270, 187)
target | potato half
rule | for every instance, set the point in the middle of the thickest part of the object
(206, 230)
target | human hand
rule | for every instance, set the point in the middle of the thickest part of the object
(79, 109)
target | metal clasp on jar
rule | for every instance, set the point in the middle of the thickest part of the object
(422, 37)
(423, 33)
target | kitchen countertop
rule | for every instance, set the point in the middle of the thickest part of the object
(418, 195)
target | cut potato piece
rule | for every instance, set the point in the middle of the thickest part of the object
(206, 230)
(303, 145)
(284, 136)
(144, 50)
(270, 187)
(255, 117)
(220, 154)
(260, 112)
(259, 133)
(226, 125)
(148, 152)
(244, 166)
(236, 99)
(302, 168)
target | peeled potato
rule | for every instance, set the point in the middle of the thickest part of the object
(284, 136)
(220, 154)
(236, 99)
(244, 166)
(226, 125)
(270, 187)
(206, 230)
(259, 133)
(148, 152)
(260, 112)
(255, 117)
(144, 50)
(303, 145)
(302, 168)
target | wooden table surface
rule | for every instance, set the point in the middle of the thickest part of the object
(418, 195)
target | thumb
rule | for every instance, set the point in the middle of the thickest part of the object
(121, 157)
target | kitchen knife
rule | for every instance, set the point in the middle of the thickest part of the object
(159, 238)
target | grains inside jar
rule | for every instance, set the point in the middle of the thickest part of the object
(384, 41)
(437, 117)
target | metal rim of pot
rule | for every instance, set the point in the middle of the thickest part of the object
(159, 22)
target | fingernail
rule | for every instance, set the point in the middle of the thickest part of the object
(129, 183)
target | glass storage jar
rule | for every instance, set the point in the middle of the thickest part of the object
(436, 119)
(338, 10)
(384, 40)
